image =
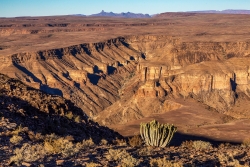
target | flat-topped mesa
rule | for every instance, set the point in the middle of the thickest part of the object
(175, 53)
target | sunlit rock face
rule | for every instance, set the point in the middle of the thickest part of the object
(131, 77)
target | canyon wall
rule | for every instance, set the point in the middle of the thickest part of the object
(88, 74)
(131, 77)
(212, 73)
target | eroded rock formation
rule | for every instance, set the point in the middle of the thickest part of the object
(128, 78)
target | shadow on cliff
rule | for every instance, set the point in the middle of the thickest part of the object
(49, 90)
(30, 74)
(93, 78)
(38, 121)
(45, 88)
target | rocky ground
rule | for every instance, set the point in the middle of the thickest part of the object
(37, 129)
(19, 146)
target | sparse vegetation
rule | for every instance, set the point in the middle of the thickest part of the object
(69, 115)
(163, 162)
(135, 141)
(77, 119)
(201, 145)
(104, 142)
(122, 157)
(229, 160)
(87, 143)
(187, 144)
(120, 142)
(246, 142)
(16, 139)
(145, 151)
(92, 164)
(28, 153)
(59, 145)
(35, 137)
(18, 130)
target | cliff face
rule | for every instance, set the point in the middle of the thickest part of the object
(88, 74)
(211, 73)
(122, 79)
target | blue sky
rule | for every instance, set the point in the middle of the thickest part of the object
(13, 8)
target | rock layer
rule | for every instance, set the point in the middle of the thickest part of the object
(131, 77)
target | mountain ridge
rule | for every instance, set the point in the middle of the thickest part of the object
(125, 15)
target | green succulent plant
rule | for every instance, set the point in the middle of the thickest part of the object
(156, 134)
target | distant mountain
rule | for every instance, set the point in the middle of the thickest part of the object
(191, 13)
(228, 11)
(125, 15)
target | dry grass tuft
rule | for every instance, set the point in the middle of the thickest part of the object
(69, 115)
(92, 164)
(59, 145)
(145, 151)
(122, 157)
(228, 160)
(16, 139)
(201, 145)
(163, 162)
(77, 119)
(35, 137)
(135, 141)
(187, 144)
(87, 143)
(246, 142)
(104, 142)
(120, 142)
(28, 153)
(18, 130)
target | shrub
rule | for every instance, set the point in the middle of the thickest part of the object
(122, 157)
(187, 144)
(77, 119)
(87, 143)
(35, 137)
(18, 130)
(92, 164)
(145, 151)
(55, 145)
(156, 134)
(104, 142)
(228, 160)
(120, 142)
(246, 142)
(135, 141)
(28, 153)
(16, 139)
(201, 145)
(163, 162)
(69, 115)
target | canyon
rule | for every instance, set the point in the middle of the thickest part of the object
(188, 69)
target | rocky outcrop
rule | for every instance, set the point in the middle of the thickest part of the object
(42, 113)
